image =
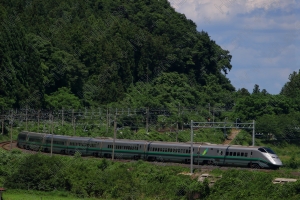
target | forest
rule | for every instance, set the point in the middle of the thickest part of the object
(129, 55)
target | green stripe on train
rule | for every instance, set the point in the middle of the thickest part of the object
(195, 156)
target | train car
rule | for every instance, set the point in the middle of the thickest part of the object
(30, 140)
(237, 155)
(125, 149)
(203, 153)
(169, 152)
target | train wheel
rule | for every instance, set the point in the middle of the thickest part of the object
(255, 166)
(210, 162)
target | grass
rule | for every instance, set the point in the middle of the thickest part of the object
(37, 195)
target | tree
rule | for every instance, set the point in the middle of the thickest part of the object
(264, 92)
(243, 92)
(292, 87)
(63, 98)
(256, 89)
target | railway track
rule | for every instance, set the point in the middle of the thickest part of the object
(6, 146)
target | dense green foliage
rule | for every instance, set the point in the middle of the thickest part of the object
(141, 54)
(139, 180)
(100, 49)
(127, 54)
(238, 184)
(100, 178)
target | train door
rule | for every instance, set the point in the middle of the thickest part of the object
(198, 153)
(88, 147)
(145, 151)
(101, 145)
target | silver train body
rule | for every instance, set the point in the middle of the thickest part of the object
(203, 153)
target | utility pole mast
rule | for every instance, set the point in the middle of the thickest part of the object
(11, 131)
(147, 119)
(51, 135)
(192, 153)
(115, 133)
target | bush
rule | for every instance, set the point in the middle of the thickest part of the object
(293, 163)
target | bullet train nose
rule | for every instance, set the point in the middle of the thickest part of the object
(276, 160)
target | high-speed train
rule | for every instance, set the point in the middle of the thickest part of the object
(203, 153)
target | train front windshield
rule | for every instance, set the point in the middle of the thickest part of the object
(269, 150)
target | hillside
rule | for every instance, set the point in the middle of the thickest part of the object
(96, 51)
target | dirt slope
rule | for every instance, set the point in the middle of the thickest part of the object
(232, 135)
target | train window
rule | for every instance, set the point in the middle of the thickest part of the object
(238, 153)
(262, 150)
(230, 153)
(246, 154)
(221, 152)
(234, 153)
(251, 153)
(242, 154)
(211, 149)
(22, 137)
(226, 153)
(269, 150)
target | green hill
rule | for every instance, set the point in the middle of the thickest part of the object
(102, 50)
